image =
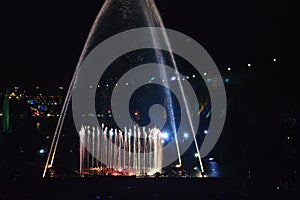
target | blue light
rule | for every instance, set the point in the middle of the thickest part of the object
(227, 80)
(98, 197)
(173, 78)
(208, 80)
(196, 155)
(165, 135)
(152, 79)
(31, 101)
(205, 132)
(42, 151)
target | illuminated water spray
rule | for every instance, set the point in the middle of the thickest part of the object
(128, 51)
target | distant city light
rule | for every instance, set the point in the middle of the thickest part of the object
(194, 76)
(205, 131)
(274, 59)
(41, 151)
(61, 88)
(249, 65)
(106, 85)
(229, 69)
(204, 73)
(126, 83)
(187, 77)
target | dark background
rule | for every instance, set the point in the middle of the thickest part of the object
(42, 41)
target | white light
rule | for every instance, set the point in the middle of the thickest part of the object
(126, 83)
(162, 141)
(165, 135)
(274, 59)
(185, 135)
(205, 74)
(106, 85)
(196, 155)
(187, 77)
(173, 78)
(249, 65)
(211, 159)
(205, 131)
(91, 86)
(98, 86)
(42, 151)
(178, 165)
(194, 76)
(229, 69)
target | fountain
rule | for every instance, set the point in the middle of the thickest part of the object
(112, 161)
(131, 143)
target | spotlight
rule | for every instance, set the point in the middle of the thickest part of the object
(165, 135)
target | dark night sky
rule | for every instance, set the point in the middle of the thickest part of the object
(42, 41)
